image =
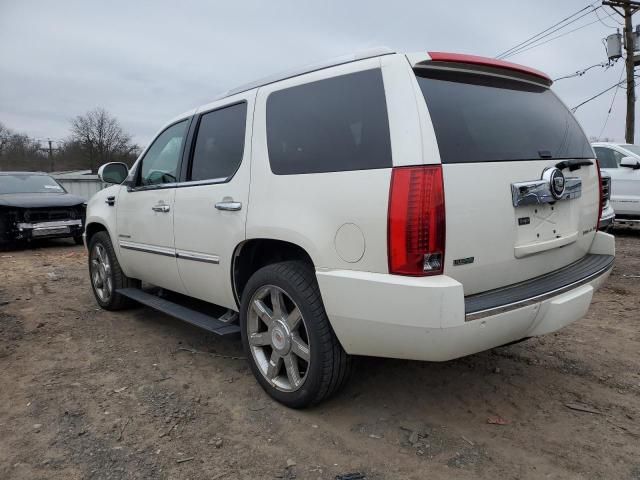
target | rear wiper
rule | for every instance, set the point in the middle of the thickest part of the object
(573, 164)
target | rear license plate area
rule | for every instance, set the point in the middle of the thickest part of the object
(545, 222)
(45, 232)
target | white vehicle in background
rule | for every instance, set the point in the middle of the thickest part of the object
(608, 214)
(421, 206)
(622, 162)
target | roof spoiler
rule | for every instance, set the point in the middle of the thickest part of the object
(486, 64)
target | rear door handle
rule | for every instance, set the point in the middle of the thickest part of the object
(161, 208)
(229, 206)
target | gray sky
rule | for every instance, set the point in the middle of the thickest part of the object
(146, 62)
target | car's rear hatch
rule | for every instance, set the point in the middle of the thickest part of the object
(498, 126)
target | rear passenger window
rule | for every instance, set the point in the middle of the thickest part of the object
(330, 125)
(219, 146)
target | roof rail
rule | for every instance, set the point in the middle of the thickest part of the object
(362, 55)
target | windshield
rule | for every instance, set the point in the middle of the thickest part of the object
(635, 149)
(486, 119)
(26, 183)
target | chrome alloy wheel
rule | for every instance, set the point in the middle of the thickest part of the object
(278, 338)
(101, 272)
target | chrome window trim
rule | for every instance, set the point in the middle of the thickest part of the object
(197, 183)
(190, 183)
(536, 299)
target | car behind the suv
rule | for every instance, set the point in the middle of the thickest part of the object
(621, 161)
(421, 206)
(33, 206)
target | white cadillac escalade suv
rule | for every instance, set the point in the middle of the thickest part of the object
(421, 206)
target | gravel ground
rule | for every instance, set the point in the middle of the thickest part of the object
(87, 393)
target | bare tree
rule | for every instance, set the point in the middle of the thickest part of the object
(5, 133)
(101, 136)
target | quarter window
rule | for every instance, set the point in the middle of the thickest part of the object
(331, 125)
(219, 146)
(160, 163)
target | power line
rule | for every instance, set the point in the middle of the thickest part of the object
(547, 30)
(579, 73)
(596, 96)
(610, 15)
(615, 92)
(535, 45)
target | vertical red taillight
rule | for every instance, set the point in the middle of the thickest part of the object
(600, 193)
(416, 222)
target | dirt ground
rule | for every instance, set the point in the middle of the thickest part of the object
(86, 393)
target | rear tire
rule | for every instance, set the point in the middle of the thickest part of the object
(106, 275)
(286, 335)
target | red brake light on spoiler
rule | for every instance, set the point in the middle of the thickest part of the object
(487, 62)
(416, 221)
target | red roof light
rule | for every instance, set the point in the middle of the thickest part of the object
(488, 62)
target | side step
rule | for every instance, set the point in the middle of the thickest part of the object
(199, 319)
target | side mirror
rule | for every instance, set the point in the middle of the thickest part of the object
(114, 172)
(630, 162)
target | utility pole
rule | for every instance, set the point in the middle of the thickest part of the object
(49, 153)
(626, 9)
(50, 156)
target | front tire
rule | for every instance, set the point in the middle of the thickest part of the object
(292, 349)
(106, 275)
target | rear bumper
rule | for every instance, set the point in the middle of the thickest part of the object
(429, 318)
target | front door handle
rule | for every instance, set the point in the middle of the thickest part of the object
(161, 207)
(229, 206)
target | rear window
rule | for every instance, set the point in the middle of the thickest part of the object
(331, 125)
(478, 118)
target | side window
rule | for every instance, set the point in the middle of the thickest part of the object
(331, 125)
(160, 163)
(219, 143)
(606, 157)
(617, 157)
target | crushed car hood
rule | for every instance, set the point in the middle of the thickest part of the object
(39, 200)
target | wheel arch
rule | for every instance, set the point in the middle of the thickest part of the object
(251, 255)
(92, 228)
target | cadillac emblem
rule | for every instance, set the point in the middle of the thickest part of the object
(556, 180)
